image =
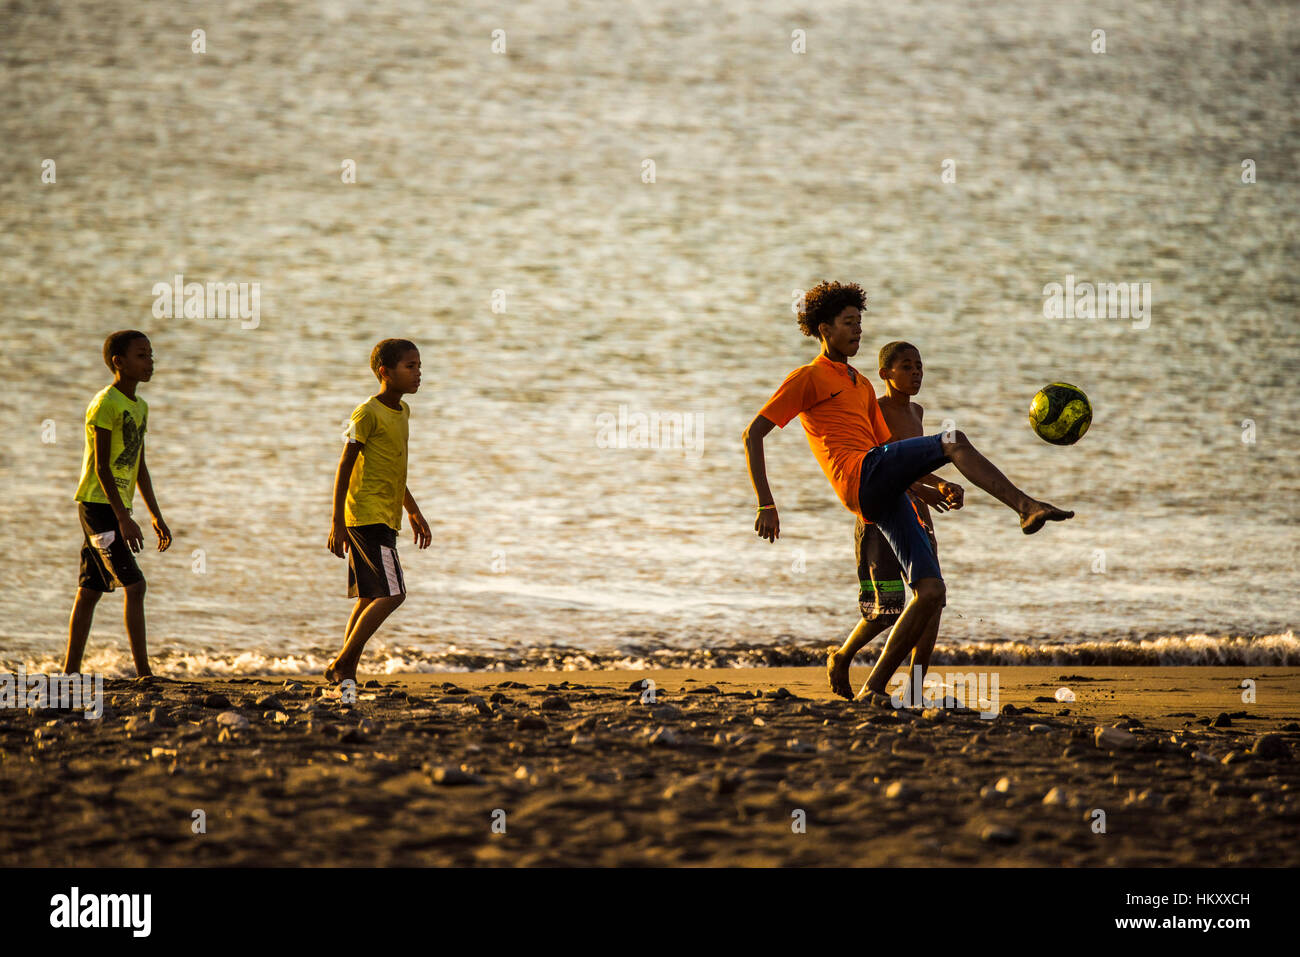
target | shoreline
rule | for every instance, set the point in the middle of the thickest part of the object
(1257, 650)
(726, 767)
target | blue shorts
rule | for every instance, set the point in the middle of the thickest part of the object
(887, 473)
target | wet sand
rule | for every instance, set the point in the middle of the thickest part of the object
(725, 767)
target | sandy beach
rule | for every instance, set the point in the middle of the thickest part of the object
(725, 767)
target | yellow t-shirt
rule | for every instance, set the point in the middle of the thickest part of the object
(112, 410)
(377, 488)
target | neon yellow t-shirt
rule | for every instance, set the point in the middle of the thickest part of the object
(377, 488)
(112, 410)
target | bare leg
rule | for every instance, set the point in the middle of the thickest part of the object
(927, 598)
(331, 670)
(367, 623)
(839, 659)
(133, 618)
(985, 474)
(83, 613)
(921, 659)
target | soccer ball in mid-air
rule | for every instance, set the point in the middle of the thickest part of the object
(1060, 413)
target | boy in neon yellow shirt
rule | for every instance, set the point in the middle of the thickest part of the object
(369, 494)
(111, 468)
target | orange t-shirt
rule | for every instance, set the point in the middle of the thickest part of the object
(841, 418)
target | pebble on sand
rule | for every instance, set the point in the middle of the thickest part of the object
(140, 727)
(454, 777)
(665, 736)
(901, 791)
(233, 720)
(999, 834)
(1114, 739)
(1269, 746)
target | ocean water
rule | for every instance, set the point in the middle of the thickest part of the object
(501, 218)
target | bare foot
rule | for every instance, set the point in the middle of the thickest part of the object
(837, 672)
(333, 675)
(1032, 520)
(879, 699)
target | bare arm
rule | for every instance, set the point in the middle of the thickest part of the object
(145, 484)
(343, 475)
(767, 525)
(932, 490)
(104, 472)
(418, 525)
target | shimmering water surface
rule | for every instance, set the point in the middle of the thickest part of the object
(516, 179)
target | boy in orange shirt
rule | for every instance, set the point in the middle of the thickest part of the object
(848, 435)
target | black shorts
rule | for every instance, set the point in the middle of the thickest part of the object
(106, 559)
(373, 568)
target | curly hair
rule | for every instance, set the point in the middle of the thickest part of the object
(824, 301)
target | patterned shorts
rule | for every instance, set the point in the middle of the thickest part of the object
(880, 578)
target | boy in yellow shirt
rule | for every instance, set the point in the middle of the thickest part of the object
(111, 468)
(369, 494)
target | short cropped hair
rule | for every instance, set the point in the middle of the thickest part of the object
(118, 343)
(388, 353)
(825, 301)
(890, 351)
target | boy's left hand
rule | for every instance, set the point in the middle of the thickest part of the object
(164, 534)
(927, 495)
(953, 494)
(421, 529)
